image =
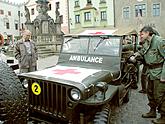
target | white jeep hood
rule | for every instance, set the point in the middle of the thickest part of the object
(75, 74)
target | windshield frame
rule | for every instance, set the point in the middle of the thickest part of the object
(88, 48)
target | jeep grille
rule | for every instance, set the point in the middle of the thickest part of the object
(52, 98)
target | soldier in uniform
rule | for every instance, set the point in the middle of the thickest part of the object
(153, 52)
(128, 50)
(144, 77)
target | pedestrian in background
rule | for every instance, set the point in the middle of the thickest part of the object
(25, 52)
(154, 56)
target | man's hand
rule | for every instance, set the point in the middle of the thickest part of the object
(132, 59)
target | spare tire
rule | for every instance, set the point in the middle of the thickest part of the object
(13, 100)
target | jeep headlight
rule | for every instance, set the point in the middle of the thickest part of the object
(25, 83)
(75, 94)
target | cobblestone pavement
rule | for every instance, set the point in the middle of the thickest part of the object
(130, 113)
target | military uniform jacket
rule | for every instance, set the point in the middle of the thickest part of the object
(154, 53)
(22, 55)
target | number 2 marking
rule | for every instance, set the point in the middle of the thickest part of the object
(36, 88)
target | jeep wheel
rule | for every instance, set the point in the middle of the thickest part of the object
(13, 105)
(102, 117)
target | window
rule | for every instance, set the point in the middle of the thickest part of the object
(102, 1)
(50, 6)
(1, 12)
(32, 11)
(89, 2)
(76, 3)
(22, 25)
(9, 13)
(21, 14)
(77, 18)
(87, 16)
(16, 26)
(126, 12)
(156, 9)
(7, 25)
(140, 10)
(103, 15)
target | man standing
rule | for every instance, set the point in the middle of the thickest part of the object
(154, 56)
(26, 53)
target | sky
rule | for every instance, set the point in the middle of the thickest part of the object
(17, 1)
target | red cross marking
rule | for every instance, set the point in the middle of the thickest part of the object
(65, 71)
(97, 33)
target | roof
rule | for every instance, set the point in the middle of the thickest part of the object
(113, 32)
(98, 32)
(125, 31)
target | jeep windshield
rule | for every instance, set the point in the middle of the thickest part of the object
(92, 45)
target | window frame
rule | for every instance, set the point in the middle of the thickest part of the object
(7, 25)
(32, 11)
(16, 26)
(103, 15)
(89, 2)
(126, 12)
(76, 3)
(77, 18)
(140, 8)
(9, 13)
(155, 10)
(87, 16)
(1, 12)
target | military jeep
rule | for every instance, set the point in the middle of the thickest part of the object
(88, 80)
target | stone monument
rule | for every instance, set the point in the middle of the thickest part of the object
(45, 31)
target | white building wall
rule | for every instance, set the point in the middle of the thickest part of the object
(14, 18)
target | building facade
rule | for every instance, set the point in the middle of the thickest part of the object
(138, 13)
(90, 14)
(63, 9)
(11, 20)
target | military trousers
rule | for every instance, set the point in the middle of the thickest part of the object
(151, 92)
(160, 97)
(144, 78)
(156, 95)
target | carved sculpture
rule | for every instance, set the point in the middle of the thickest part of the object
(27, 15)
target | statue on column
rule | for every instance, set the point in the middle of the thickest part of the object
(57, 13)
(27, 15)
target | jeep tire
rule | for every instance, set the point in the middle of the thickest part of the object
(102, 117)
(13, 105)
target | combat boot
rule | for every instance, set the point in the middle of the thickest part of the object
(160, 120)
(150, 114)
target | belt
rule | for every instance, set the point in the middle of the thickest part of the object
(153, 66)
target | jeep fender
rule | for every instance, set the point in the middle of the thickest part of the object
(111, 93)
